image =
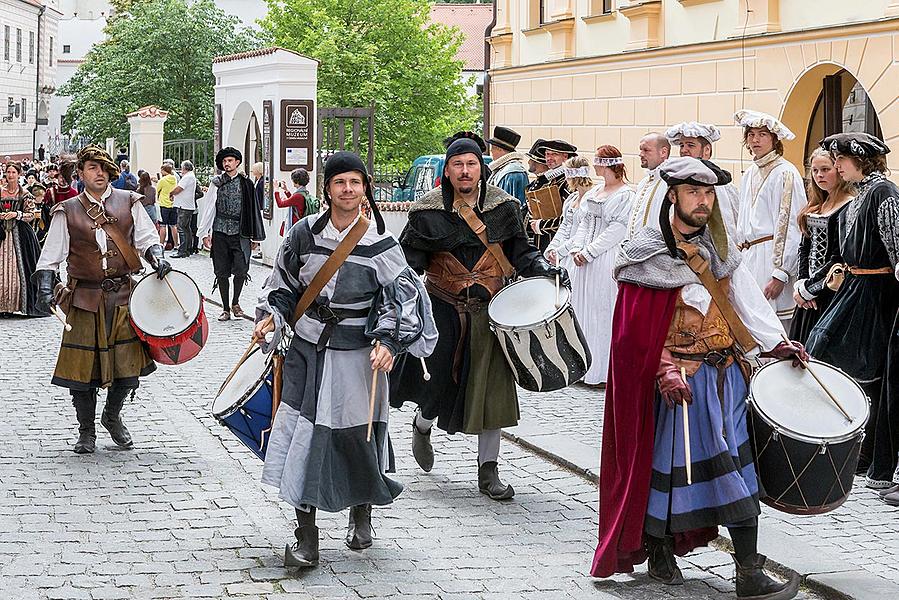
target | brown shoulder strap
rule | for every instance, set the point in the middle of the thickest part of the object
(327, 270)
(98, 215)
(480, 230)
(700, 266)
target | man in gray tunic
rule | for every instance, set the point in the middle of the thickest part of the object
(318, 455)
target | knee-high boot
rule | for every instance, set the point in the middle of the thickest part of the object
(358, 535)
(85, 403)
(304, 552)
(111, 418)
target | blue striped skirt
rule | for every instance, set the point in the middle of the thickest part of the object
(725, 489)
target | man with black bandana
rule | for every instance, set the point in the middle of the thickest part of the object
(231, 221)
(472, 388)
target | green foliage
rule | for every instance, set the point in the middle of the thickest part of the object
(384, 53)
(155, 52)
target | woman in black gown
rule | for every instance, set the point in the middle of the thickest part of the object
(859, 326)
(828, 197)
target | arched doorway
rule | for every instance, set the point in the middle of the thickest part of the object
(826, 99)
(245, 135)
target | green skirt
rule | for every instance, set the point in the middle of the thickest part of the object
(95, 354)
(491, 399)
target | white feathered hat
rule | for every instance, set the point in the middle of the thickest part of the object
(692, 129)
(754, 118)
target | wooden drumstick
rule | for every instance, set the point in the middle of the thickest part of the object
(687, 461)
(61, 316)
(558, 302)
(177, 299)
(808, 368)
(246, 353)
(424, 368)
(371, 396)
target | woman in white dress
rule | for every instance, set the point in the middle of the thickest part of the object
(577, 176)
(601, 229)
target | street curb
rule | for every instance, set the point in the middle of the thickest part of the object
(721, 543)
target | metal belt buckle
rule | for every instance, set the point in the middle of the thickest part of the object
(110, 285)
(94, 211)
(326, 314)
(716, 358)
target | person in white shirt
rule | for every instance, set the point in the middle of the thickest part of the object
(185, 202)
(771, 195)
(654, 150)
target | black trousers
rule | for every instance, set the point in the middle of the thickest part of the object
(230, 255)
(185, 234)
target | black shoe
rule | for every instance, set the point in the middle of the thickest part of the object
(178, 255)
(490, 484)
(111, 418)
(86, 444)
(85, 404)
(662, 564)
(754, 584)
(358, 535)
(422, 449)
(303, 553)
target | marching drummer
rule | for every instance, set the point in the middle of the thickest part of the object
(328, 448)
(688, 315)
(101, 233)
(473, 390)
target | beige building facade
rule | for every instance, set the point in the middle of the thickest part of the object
(607, 71)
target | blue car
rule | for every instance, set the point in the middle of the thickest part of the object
(422, 177)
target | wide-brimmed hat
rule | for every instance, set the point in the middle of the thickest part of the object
(560, 146)
(855, 144)
(225, 153)
(505, 138)
(537, 152)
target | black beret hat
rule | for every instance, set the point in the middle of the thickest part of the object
(855, 144)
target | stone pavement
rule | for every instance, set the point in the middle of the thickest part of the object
(183, 515)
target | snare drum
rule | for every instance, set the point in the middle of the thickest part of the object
(244, 404)
(806, 451)
(543, 344)
(171, 337)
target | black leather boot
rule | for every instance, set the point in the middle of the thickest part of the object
(111, 418)
(86, 411)
(662, 564)
(304, 552)
(358, 534)
(754, 584)
(490, 484)
(421, 448)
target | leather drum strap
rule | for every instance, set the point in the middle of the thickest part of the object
(747, 245)
(98, 216)
(480, 230)
(700, 266)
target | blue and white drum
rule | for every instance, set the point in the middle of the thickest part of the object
(542, 342)
(245, 403)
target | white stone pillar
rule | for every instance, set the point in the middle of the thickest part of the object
(147, 134)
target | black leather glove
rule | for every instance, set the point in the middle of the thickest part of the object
(45, 280)
(154, 256)
(542, 268)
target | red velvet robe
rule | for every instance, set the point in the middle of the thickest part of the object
(639, 328)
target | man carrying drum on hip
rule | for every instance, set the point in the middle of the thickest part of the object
(471, 387)
(328, 447)
(687, 315)
(100, 234)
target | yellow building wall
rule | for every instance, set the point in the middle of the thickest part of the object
(619, 98)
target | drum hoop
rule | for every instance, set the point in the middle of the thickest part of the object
(146, 335)
(783, 430)
(233, 408)
(565, 306)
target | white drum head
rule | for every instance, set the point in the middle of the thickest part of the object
(245, 381)
(154, 309)
(527, 302)
(790, 399)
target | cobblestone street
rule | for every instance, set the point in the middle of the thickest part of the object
(183, 514)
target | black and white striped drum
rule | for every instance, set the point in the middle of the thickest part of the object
(806, 450)
(543, 344)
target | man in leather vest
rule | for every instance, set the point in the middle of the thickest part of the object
(101, 350)
(471, 387)
(688, 315)
(543, 228)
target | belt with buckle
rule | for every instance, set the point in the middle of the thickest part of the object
(108, 285)
(714, 358)
(747, 245)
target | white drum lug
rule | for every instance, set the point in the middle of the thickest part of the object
(823, 449)
(775, 434)
(549, 332)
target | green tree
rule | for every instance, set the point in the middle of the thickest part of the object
(155, 52)
(384, 53)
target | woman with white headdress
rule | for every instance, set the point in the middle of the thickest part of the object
(577, 178)
(602, 226)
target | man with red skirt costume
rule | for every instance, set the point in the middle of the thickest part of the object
(666, 319)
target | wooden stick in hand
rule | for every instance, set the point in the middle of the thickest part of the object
(558, 302)
(830, 395)
(177, 299)
(371, 397)
(426, 375)
(687, 460)
(61, 316)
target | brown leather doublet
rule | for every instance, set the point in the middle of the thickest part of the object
(85, 266)
(692, 333)
(450, 276)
